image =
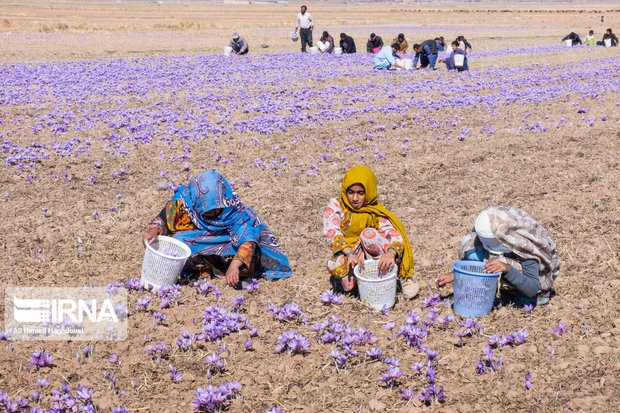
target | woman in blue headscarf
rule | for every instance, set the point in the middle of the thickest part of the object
(222, 233)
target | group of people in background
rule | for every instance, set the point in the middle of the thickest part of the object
(426, 53)
(608, 37)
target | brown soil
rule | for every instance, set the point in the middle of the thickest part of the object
(567, 178)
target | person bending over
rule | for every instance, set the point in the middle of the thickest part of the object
(224, 235)
(510, 241)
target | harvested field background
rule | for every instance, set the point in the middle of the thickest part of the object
(104, 107)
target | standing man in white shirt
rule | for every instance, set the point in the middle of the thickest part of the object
(305, 24)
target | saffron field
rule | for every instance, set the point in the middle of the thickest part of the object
(92, 147)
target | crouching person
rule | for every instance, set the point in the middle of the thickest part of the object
(510, 241)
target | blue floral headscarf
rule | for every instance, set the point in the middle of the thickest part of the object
(235, 224)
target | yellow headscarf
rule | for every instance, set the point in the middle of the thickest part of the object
(370, 213)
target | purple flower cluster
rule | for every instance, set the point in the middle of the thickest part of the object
(390, 378)
(135, 284)
(237, 302)
(186, 341)
(175, 375)
(203, 287)
(158, 351)
(330, 297)
(486, 363)
(215, 364)
(332, 330)
(143, 303)
(168, 295)
(288, 312)
(513, 339)
(470, 326)
(431, 301)
(292, 342)
(41, 359)
(159, 317)
(215, 398)
(252, 286)
(219, 323)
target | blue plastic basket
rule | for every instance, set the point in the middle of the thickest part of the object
(474, 290)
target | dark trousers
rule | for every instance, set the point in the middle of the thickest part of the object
(237, 47)
(424, 62)
(306, 38)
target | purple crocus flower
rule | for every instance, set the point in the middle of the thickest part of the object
(559, 329)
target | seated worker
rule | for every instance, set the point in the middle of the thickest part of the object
(512, 242)
(223, 234)
(326, 43)
(374, 44)
(590, 38)
(386, 58)
(450, 60)
(426, 53)
(400, 39)
(239, 44)
(609, 35)
(347, 44)
(463, 43)
(359, 228)
(574, 37)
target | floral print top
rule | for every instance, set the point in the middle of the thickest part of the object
(336, 222)
(174, 218)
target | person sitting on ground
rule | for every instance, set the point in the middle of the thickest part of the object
(326, 43)
(590, 38)
(609, 35)
(426, 53)
(358, 228)
(463, 43)
(456, 50)
(374, 44)
(510, 241)
(386, 58)
(224, 235)
(347, 44)
(239, 44)
(574, 37)
(400, 39)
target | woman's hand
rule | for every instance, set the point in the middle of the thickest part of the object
(496, 266)
(445, 279)
(387, 261)
(150, 235)
(232, 274)
(353, 260)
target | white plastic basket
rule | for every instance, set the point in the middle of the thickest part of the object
(459, 60)
(228, 51)
(337, 50)
(163, 262)
(607, 42)
(568, 42)
(314, 50)
(376, 289)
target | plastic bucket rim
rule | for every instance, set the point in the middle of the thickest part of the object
(188, 251)
(473, 274)
(390, 275)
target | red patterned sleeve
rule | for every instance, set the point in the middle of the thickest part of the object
(332, 226)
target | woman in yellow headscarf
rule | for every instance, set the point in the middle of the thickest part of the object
(358, 228)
